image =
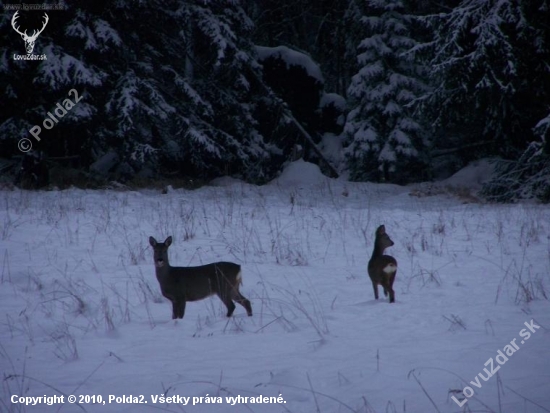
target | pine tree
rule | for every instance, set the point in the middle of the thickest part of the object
(176, 92)
(490, 65)
(314, 27)
(384, 138)
(527, 177)
(489, 72)
(34, 87)
(191, 89)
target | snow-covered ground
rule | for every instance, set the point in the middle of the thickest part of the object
(82, 314)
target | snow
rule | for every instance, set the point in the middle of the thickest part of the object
(334, 99)
(300, 173)
(331, 147)
(473, 175)
(82, 312)
(291, 58)
(97, 38)
(106, 33)
(57, 72)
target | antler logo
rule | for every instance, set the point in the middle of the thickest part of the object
(29, 40)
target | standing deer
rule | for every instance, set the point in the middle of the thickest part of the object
(382, 268)
(182, 284)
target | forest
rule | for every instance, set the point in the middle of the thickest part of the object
(383, 91)
(354, 192)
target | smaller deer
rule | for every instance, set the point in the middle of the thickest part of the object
(382, 268)
(182, 284)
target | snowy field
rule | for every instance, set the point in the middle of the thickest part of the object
(82, 314)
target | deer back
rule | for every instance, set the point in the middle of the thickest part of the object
(196, 283)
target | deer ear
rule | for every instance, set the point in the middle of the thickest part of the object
(381, 230)
(168, 241)
(152, 241)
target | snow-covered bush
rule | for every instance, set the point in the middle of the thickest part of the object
(529, 176)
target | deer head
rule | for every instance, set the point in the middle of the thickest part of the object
(29, 40)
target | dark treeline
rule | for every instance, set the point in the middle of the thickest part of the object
(393, 91)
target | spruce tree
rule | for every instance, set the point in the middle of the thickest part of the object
(384, 139)
(490, 74)
(169, 86)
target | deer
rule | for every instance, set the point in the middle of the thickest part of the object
(29, 40)
(382, 268)
(182, 284)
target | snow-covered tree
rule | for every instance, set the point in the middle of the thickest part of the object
(489, 61)
(35, 87)
(187, 94)
(314, 27)
(491, 75)
(527, 177)
(384, 138)
(175, 92)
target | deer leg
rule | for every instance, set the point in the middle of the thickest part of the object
(178, 309)
(230, 307)
(181, 309)
(392, 296)
(228, 303)
(174, 310)
(239, 298)
(386, 283)
(375, 288)
(390, 284)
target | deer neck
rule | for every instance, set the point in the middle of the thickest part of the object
(164, 270)
(378, 250)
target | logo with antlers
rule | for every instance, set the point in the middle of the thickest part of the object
(29, 40)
